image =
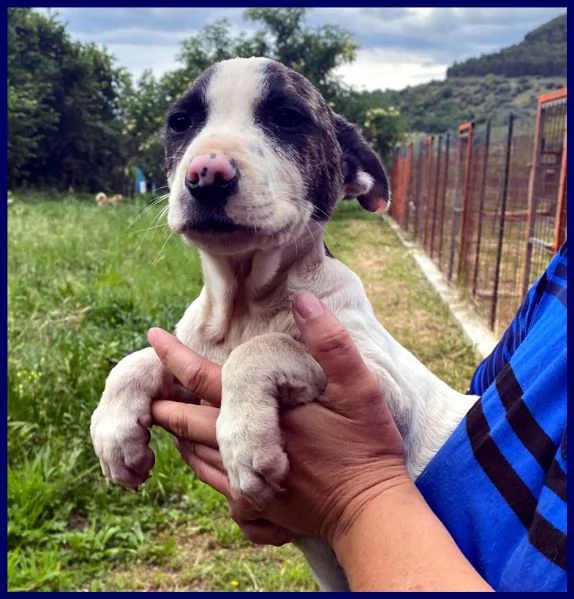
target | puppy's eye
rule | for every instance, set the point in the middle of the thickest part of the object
(179, 122)
(287, 118)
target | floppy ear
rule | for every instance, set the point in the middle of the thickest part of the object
(365, 176)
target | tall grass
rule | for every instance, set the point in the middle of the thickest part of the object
(85, 284)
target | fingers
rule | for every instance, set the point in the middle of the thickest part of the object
(206, 462)
(180, 394)
(197, 374)
(328, 342)
(210, 475)
(266, 533)
(209, 455)
(194, 423)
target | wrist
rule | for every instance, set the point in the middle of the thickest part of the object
(374, 488)
(396, 543)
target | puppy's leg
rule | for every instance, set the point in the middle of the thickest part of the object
(120, 424)
(323, 563)
(258, 376)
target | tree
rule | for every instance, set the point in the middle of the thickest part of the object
(64, 119)
(76, 119)
(283, 36)
(315, 53)
(32, 73)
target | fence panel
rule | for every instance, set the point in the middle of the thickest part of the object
(488, 204)
(546, 229)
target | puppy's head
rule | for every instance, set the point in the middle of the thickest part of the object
(253, 153)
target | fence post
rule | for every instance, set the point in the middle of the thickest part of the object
(396, 184)
(454, 207)
(427, 195)
(464, 220)
(481, 207)
(502, 221)
(435, 199)
(407, 188)
(444, 193)
(532, 181)
(419, 197)
(462, 131)
(560, 230)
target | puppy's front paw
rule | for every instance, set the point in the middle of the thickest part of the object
(253, 456)
(121, 440)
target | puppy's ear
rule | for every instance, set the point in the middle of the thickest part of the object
(365, 177)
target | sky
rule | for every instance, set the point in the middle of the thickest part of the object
(398, 46)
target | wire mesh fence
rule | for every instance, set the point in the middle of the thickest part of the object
(488, 204)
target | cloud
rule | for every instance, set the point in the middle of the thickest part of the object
(376, 68)
(404, 44)
(444, 34)
(90, 21)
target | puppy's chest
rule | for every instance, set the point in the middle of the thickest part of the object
(215, 338)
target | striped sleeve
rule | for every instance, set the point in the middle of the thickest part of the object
(499, 482)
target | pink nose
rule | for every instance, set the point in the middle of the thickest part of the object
(210, 169)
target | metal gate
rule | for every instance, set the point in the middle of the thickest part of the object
(546, 225)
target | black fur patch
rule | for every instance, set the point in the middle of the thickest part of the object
(193, 104)
(312, 143)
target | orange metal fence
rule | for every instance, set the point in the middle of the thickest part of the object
(488, 204)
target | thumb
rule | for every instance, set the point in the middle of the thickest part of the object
(194, 423)
(196, 373)
(329, 342)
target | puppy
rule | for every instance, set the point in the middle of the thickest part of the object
(116, 199)
(102, 198)
(256, 161)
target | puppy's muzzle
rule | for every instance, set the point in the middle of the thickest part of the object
(211, 178)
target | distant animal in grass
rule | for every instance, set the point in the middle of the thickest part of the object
(102, 199)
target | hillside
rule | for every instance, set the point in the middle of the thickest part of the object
(542, 52)
(489, 86)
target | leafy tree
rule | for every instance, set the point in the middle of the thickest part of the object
(315, 53)
(282, 36)
(32, 73)
(75, 119)
(64, 120)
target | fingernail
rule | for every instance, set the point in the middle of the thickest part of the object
(308, 306)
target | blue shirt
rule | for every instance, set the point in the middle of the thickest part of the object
(499, 482)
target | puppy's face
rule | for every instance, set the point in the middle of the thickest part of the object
(253, 153)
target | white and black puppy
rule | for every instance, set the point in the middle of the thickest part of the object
(256, 161)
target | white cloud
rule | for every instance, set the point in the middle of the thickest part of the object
(383, 69)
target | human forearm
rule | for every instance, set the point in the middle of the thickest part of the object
(396, 543)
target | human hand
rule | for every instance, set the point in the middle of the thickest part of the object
(344, 449)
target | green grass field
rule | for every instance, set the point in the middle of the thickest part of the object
(85, 284)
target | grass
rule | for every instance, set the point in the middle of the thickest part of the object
(85, 284)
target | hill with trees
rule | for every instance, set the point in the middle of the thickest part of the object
(542, 52)
(490, 86)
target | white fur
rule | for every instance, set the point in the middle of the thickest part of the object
(242, 320)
